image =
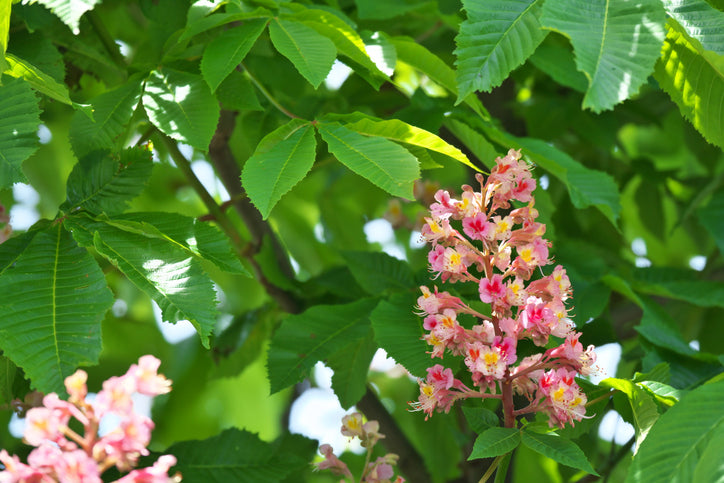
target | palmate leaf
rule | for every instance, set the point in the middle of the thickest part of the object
(112, 112)
(312, 336)
(168, 274)
(350, 365)
(694, 79)
(51, 323)
(495, 442)
(401, 132)
(240, 456)
(276, 167)
(197, 237)
(382, 162)
(69, 11)
(643, 406)
(311, 53)
(42, 82)
(18, 129)
(103, 183)
(616, 44)
(558, 449)
(686, 440)
(225, 52)
(700, 20)
(414, 54)
(586, 187)
(181, 106)
(376, 272)
(497, 37)
(347, 41)
(399, 331)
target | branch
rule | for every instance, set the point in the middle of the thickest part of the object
(228, 170)
(410, 463)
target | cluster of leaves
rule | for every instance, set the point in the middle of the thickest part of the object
(584, 88)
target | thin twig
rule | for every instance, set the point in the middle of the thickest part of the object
(266, 93)
(491, 469)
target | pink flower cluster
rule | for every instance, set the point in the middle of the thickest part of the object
(379, 471)
(482, 239)
(62, 455)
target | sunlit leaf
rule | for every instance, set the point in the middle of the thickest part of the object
(678, 444)
(312, 336)
(496, 38)
(166, 273)
(700, 20)
(270, 173)
(311, 53)
(18, 129)
(383, 162)
(69, 11)
(642, 405)
(181, 106)
(616, 44)
(694, 79)
(112, 112)
(51, 324)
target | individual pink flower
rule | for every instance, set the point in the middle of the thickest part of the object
(75, 384)
(127, 442)
(478, 227)
(77, 467)
(17, 472)
(492, 290)
(565, 402)
(148, 381)
(43, 424)
(352, 425)
(440, 377)
(331, 462)
(116, 395)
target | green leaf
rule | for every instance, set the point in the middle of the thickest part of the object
(558, 449)
(495, 442)
(8, 371)
(239, 456)
(311, 53)
(556, 60)
(226, 51)
(69, 11)
(18, 129)
(496, 38)
(383, 162)
(270, 174)
(644, 408)
(350, 365)
(663, 393)
(402, 132)
(200, 239)
(701, 22)
(181, 106)
(480, 419)
(5, 7)
(160, 268)
(383, 9)
(710, 217)
(694, 79)
(671, 284)
(586, 187)
(616, 44)
(679, 442)
(104, 183)
(399, 332)
(345, 39)
(41, 82)
(112, 113)
(376, 272)
(414, 54)
(203, 24)
(51, 324)
(312, 336)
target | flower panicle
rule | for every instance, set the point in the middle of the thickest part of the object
(491, 238)
(62, 454)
